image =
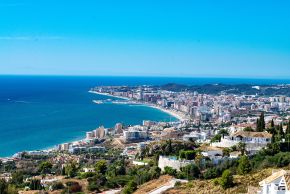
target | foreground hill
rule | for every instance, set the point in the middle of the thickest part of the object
(242, 183)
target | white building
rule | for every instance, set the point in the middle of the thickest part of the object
(134, 135)
(195, 136)
(254, 140)
(173, 162)
(214, 154)
(277, 183)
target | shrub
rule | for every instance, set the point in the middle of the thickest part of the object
(86, 175)
(210, 173)
(101, 166)
(17, 178)
(244, 165)
(191, 171)
(73, 187)
(227, 180)
(170, 171)
(45, 167)
(177, 184)
(130, 188)
(57, 186)
(3, 186)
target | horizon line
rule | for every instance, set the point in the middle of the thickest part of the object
(153, 76)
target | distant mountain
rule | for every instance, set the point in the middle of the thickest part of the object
(247, 89)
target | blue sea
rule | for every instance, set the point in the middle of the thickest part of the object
(39, 112)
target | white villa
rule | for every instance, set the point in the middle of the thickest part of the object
(254, 140)
(196, 136)
(173, 162)
(277, 183)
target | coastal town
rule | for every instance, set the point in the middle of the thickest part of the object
(207, 135)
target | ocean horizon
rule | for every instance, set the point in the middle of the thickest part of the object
(39, 112)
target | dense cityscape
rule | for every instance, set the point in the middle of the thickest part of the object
(213, 139)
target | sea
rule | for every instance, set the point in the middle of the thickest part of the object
(39, 112)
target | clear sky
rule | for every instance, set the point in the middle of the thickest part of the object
(242, 38)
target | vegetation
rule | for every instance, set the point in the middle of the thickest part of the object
(227, 179)
(188, 155)
(261, 126)
(244, 165)
(45, 167)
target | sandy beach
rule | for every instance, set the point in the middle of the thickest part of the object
(179, 115)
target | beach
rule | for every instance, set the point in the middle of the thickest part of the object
(59, 110)
(177, 114)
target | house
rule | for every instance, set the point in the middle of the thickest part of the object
(171, 133)
(6, 176)
(195, 136)
(173, 162)
(213, 153)
(89, 170)
(277, 183)
(254, 141)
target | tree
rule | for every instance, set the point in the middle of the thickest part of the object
(261, 123)
(244, 165)
(71, 170)
(45, 167)
(155, 172)
(97, 182)
(35, 184)
(226, 152)
(242, 148)
(17, 178)
(262, 120)
(3, 186)
(227, 179)
(191, 171)
(12, 189)
(281, 131)
(288, 128)
(272, 124)
(216, 138)
(168, 148)
(130, 187)
(258, 125)
(248, 129)
(223, 132)
(211, 173)
(188, 155)
(101, 166)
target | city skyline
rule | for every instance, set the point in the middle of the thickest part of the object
(146, 38)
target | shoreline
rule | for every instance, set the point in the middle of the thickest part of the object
(178, 115)
(175, 114)
(110, 95)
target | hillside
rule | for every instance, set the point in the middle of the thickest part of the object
(207, 186)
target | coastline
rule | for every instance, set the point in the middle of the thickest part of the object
(173, 113)
(110, 95)
(176, 114)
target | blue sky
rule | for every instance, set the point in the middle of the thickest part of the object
(241, 38)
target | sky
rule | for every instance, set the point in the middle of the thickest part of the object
(187, 38)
